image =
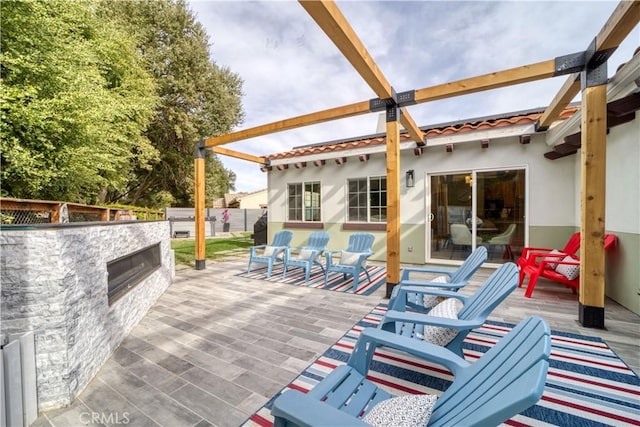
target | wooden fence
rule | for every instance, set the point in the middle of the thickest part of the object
(23, 211)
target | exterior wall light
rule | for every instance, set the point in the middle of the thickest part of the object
(410, 178)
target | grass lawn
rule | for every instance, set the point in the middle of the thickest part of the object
(185, 248)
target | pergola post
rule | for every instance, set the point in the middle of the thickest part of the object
(199, 174)
(393, 198)
(593, 188)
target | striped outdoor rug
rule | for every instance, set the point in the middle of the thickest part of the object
(295, 276)
(587, 384)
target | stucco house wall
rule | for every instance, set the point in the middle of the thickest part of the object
(552, 193)
(623, 214)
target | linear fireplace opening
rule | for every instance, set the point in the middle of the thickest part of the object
(127, 271)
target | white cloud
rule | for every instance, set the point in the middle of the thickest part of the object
(290, 67)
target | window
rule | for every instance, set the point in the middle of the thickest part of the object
(304, 201)
(367, 199)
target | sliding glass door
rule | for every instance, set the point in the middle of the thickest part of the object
(477, 208)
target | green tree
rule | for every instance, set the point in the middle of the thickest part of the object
(75, 102)
(198, 99)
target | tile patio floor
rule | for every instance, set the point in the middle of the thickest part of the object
(215, 347)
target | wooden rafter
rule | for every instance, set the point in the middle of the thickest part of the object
(239, 155)
(331, 20)
(621, 22)
(512, 76)
(345, 111)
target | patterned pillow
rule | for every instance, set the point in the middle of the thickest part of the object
(305, 254)
(552, 265)
(349, 258)
(442, 336)
(568, 270)
(268, 250)
(403, 411)
(431, 300)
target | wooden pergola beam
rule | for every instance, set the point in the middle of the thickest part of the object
(345, 111)
(411, 126)
(567, 92)
(498, 79)
(621, 22)
(331, 20)
(239, 155)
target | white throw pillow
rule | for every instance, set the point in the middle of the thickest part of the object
(305, 254)
(431, 300)
(567, 270)
(552, 265)
(349, 258)
(269, 250)
(412, 410)
(442, 336)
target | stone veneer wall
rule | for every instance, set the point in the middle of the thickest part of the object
(54, 280)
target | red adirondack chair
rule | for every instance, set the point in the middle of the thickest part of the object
(532, 255)
(557, 270)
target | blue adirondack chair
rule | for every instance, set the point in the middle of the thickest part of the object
(352, 260)
(272, 253)
(475, 310)
(307, 255)
(506, 380)
(455, 279)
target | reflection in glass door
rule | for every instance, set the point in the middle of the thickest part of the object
(498, 211)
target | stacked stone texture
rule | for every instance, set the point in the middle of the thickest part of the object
(55, 281)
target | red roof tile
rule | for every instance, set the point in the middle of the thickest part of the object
(449, 129)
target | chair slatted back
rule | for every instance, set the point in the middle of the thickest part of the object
(470, 266)
(318, 240)
(498, 286)
(282, 238)
(360, 242)
(573, 244)
(506, 380)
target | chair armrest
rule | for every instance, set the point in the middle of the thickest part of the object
(455, 286)
(253, 249)
(527, 250)
(372, 337)
(425, 319)
(303, 410)
(290, 249)
(436, 270)
(430, 291)
(399, 296)
(535, 255)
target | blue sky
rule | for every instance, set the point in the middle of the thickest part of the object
(290, 67)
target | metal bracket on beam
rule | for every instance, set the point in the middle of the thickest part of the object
(200, 150)
(594, 76)
(377, 104)
(393, 114)
(594, 58)
(595, 73)
(406, 98)
(571, 63)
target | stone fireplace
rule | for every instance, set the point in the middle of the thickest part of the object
(55, 280)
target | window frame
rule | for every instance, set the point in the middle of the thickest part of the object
(304, 210)
(382, 206)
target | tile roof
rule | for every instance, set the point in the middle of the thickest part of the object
(471, 125)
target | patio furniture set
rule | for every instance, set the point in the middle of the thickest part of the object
(351, 261)
(429, 319)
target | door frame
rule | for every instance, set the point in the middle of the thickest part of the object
(473, 171)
